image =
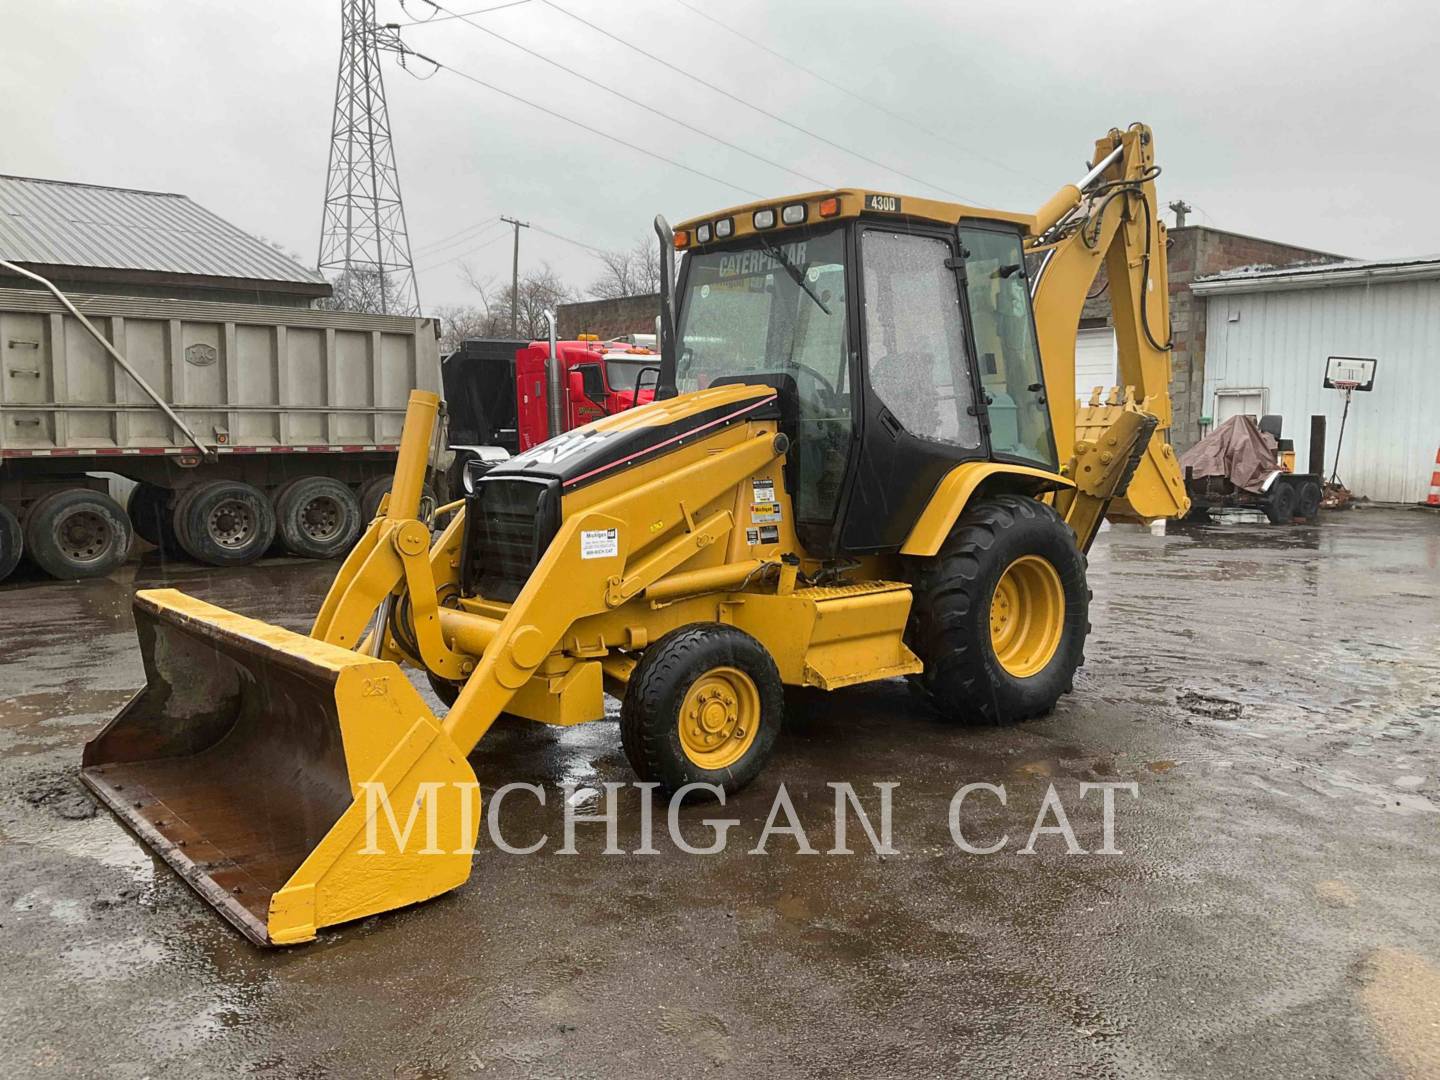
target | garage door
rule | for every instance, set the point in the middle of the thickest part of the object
(1094, 361)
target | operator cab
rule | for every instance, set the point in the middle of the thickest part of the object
(899, 332)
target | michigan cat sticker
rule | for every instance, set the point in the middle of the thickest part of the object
(599, 543)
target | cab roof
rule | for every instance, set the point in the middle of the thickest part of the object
(847, 203)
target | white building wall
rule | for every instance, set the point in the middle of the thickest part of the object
(1278, 340)
(1095, 361)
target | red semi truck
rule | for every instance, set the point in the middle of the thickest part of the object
(498, 399)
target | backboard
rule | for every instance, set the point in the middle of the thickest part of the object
(1350, 369)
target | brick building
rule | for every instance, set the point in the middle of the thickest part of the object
(1195, 251)
(608, 318)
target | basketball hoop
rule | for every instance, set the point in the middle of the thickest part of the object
(1347, 374)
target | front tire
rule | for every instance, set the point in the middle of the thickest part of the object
(1000, 615)
(704, 705)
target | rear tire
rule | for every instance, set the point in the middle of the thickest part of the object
(12, 542)
(317, 517)
(77, 533)
(1280, 502)
(704, 705)
(152, 516)
(1307, 505)
(1000, 615)
(225, 523)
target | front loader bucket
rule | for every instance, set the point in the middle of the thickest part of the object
(292, 783)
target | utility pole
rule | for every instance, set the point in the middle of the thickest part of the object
(515, 276)
(363, 241)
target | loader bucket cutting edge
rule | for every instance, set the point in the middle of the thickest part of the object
(242, 763)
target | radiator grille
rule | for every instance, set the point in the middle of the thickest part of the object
(509, 524)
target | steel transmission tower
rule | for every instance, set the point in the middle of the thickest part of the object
(364, 248)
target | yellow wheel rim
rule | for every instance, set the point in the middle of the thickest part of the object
(1027, 616)
(719, 718)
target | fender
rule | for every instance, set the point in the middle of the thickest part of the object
(953, 493)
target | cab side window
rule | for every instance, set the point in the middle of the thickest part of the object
(1009, 355)
(915, 339)
(593, 381)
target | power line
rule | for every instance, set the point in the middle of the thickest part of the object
(450, 241)
(578, 243)
(405, 51)
(847, 91)
(448, 17)
(749, 105)
(625, 97)
(462, 255)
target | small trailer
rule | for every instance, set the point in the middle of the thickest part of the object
(242, 425)
(1246, 465)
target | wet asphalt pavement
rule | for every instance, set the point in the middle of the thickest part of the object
(1275, 911)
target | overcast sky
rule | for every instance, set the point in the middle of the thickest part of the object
(1312, 122)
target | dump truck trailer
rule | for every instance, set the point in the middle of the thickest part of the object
(243, 425)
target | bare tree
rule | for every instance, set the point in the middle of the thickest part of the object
(632, 272)
(363, 290)
(461, 321)
(539, 289)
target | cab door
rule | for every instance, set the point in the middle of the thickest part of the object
(920, 417)
(587, 394)
(1002, 327)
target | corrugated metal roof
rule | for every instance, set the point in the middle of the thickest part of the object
(1351, 271)
(51, 222)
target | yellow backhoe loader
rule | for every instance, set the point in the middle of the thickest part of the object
(864, 461)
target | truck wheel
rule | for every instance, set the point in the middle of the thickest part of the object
(999, 617)
(1280, 502)
(77, 533)
(12, 542)
(371, 494)
(704, 705)
(225, 523)
(318, 518)
(1307, 504)
(152, 516)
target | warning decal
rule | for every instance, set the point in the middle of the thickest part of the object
(762, 489)
(599, 543)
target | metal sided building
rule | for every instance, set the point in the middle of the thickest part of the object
(1270, 332)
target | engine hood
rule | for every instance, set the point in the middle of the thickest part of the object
(589, 453)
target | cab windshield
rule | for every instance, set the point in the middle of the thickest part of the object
(778, 307)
